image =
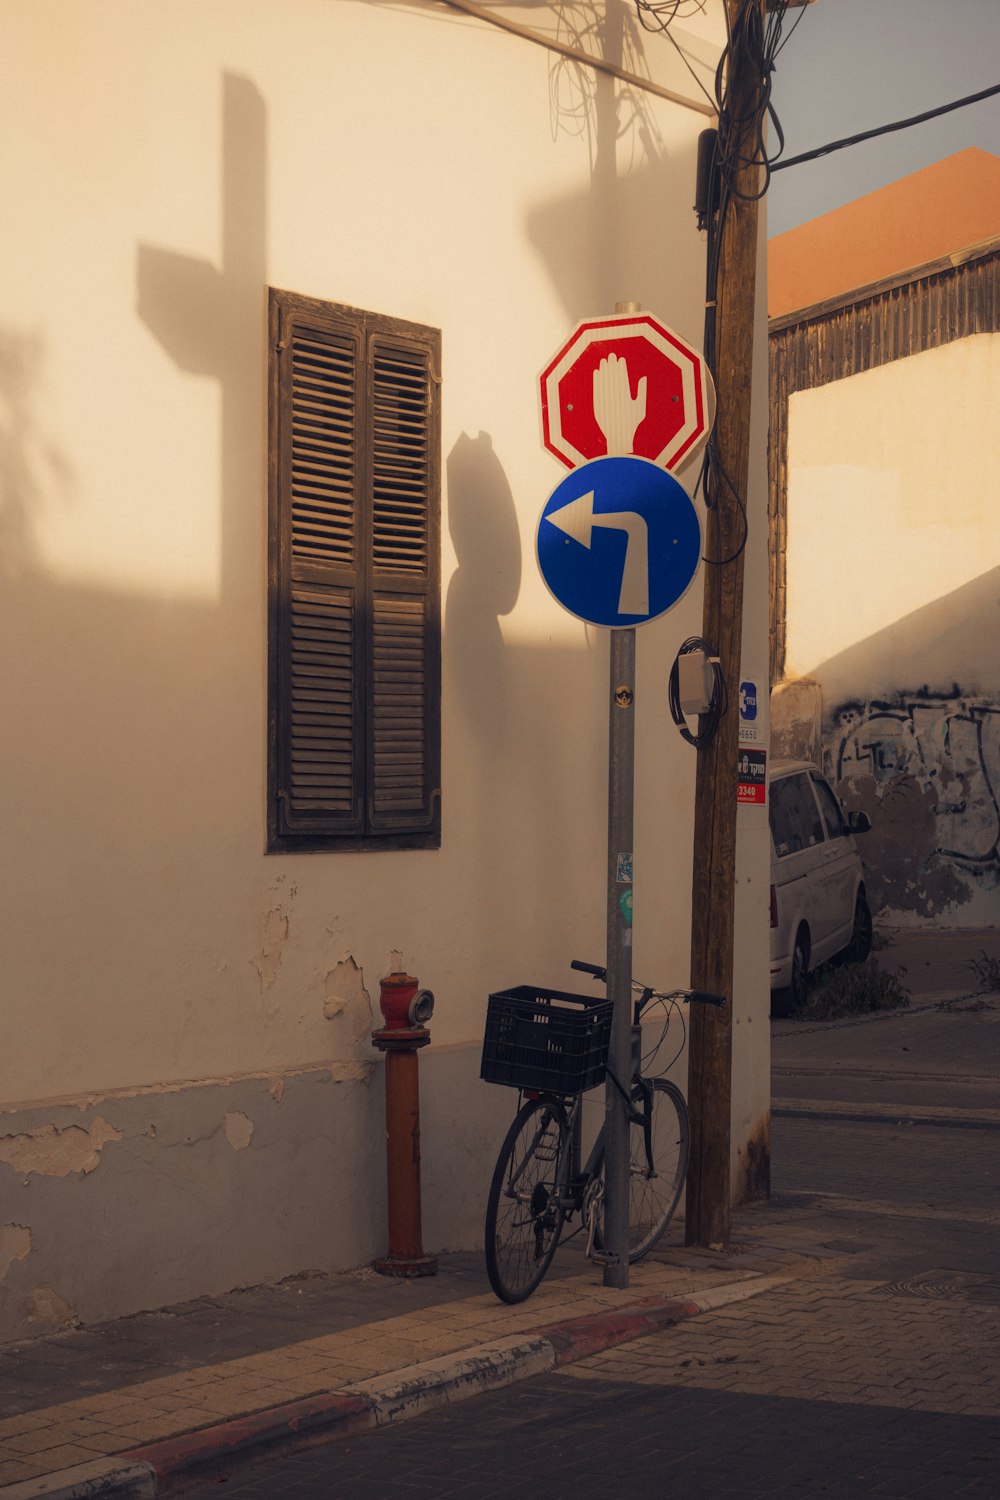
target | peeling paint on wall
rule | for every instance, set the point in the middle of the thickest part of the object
(926, 769)
(50, 1311)
(275, 937)
(358, 1070)
(57, 1153)
(345, 994)
(239, 1130)
(15, 1244)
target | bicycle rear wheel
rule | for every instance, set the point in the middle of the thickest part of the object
(523, 1214)
(659, 1150)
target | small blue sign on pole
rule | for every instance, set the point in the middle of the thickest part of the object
(619, 542)
(748, 701)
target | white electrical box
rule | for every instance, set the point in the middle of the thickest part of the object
(695, 682)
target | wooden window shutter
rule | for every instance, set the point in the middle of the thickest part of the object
(354, 677)
(317, 648)
(404, 651)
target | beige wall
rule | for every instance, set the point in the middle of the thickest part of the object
(893, 552)
(163, 166)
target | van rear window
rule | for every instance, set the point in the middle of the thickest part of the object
(795, 819)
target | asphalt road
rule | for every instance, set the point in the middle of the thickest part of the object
(562, 1437)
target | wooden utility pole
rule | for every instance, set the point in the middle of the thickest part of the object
(713, 885)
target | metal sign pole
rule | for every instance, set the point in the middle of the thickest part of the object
(621, 764)
(623, 402)
(621, 782)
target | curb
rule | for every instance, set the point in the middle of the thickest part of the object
(885, 1114)
(156, 1468)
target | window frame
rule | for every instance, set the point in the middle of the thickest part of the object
(373, 584)
(801, 784)
(829, 806)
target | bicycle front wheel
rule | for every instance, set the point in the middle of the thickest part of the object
(659, 1151)
(659, 1143)
(523, 1215)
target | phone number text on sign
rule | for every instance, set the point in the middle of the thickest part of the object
(751, 776)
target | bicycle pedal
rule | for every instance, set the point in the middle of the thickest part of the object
(605, 1258)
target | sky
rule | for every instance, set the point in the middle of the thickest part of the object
(852, 65)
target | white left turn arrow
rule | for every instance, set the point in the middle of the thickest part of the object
(577, 519)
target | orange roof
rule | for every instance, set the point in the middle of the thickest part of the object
(930, 214)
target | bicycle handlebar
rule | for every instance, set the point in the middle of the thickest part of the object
(706, 997)
(697, 997)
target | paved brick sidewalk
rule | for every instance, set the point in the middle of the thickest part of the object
(920, 1347)
(244, 1400)
(834, 1387)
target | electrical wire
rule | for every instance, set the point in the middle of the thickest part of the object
(753, 42)
(708, 723)
(754, 38)
(665, 29)
(656, 15)
(868, 135)
(670, 1005)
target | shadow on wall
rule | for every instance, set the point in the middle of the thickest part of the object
(134, 749)
(209, 319)
(515, 789)
(629, 216)
(482, 520)
(135, 720)
(644, 231)
(34, 473)
(139, 730)
(590, 105)
(920, 753)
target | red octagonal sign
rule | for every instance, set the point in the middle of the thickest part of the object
(626, 384)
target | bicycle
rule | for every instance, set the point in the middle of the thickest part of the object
(553, 1047)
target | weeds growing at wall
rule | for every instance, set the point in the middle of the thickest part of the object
(854, 990)
(986, 970)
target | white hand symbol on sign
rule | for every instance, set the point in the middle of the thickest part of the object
(616, 411)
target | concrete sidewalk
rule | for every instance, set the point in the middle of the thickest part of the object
(149, 1403)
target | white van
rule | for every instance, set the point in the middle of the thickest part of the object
(818, 903)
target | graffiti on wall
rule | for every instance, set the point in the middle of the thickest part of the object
(926, 769)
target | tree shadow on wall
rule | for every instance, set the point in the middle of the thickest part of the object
(35, 474)
(133, 713)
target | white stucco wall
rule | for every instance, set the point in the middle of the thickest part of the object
(893, 557)
(163, 166)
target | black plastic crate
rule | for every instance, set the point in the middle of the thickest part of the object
(546, 1040)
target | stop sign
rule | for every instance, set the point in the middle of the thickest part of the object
(626, 384)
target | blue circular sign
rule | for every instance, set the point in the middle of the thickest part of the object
(619, 542)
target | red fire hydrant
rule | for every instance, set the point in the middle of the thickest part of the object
(405, 1008)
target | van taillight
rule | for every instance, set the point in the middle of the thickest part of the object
(774, 907)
